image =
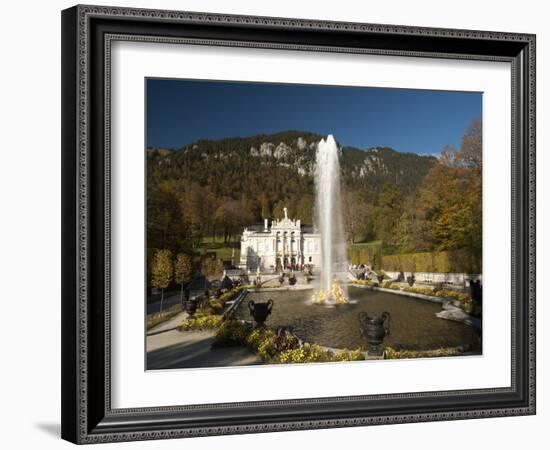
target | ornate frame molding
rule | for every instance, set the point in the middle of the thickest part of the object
(84, 421)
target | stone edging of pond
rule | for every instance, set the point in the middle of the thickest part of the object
(450, 310)
(298, 287)
(235, 303)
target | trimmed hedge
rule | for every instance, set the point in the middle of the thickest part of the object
(450, 261)
(370, 255)
(455, 261)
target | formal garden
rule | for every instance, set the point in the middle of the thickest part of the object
(292, 330)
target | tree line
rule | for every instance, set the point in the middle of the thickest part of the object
(165, 270)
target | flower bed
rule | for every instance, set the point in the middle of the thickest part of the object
(275, 347)
(363, 282)
(423, 291)
(207, 322)
(271, 347)
(391, 285)
(390, 353)
(314, 353)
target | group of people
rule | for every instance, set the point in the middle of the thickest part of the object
(363, 272)
(291, 267)
(291, 279)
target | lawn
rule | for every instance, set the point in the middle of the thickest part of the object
(367, 244)
(155, 319)
(223, 250)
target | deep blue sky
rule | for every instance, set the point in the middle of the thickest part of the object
(420, 121)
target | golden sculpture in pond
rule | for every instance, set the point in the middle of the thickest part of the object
(335, 296)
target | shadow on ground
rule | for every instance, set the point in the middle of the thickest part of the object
(52, 429)
(196, 351)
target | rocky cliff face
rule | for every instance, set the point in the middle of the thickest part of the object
(294, 151)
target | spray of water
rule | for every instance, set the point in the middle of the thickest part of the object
(328, 220)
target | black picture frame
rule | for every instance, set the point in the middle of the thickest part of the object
(87, 415)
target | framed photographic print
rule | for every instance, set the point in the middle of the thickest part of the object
(281, 224)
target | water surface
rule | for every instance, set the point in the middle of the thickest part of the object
(413, 322)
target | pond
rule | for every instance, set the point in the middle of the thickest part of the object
(414, 325)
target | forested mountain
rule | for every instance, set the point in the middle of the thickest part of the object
(281, 164)
(239, 181)
(211, 189)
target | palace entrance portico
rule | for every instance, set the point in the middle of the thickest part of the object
(286, 244)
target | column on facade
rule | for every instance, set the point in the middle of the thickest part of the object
(283, 251)
(300, 257)
(276, 250)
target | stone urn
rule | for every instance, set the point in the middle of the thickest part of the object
(374, 329)
(476, 291)
(260, 311)
(191, 308)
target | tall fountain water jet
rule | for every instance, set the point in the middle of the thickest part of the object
(328, 219)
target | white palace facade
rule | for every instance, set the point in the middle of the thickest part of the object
(286, 244)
